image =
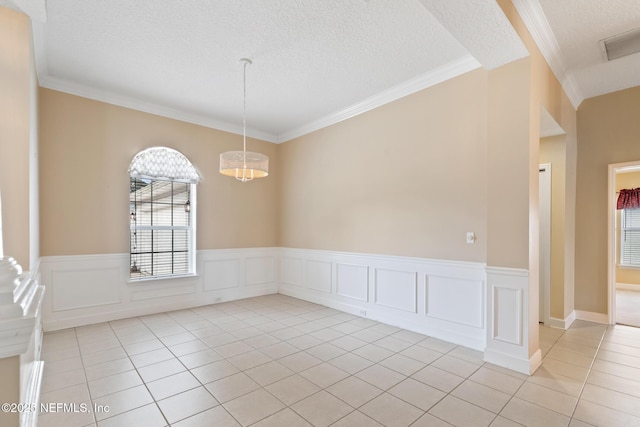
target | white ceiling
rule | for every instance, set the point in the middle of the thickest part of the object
(315, 62)
(568, 33)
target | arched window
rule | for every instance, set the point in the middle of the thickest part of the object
(162, 200)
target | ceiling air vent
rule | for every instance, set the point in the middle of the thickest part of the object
(621, 45)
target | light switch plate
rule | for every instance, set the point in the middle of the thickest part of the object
(471, 237)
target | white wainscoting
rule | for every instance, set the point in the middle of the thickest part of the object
(508, 321)
(442, 299)
(449, 300)
(89, 289)
(352, 281)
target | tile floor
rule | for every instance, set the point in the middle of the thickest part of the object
(279, 361)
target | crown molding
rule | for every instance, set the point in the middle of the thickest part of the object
(529, 10)
(45, 80)
(39, 41)
(572, 89)
(145, 106)
(548, 125)
(536, 22)
(439, 75)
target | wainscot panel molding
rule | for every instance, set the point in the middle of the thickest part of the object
(318, 275)
(87, 289)
(507, 328)
(442, 299)
(352, 281)
(397, 289)
(466, 303)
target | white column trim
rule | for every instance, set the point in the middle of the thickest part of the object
(508, 320)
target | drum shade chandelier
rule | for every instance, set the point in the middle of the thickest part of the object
(244, 165)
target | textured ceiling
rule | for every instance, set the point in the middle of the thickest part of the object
(314, 62)
(579, 25)
(568, 33)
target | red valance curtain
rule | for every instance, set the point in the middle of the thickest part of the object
(629, 199)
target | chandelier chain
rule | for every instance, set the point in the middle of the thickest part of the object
(244, 114)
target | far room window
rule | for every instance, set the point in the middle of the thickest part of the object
(630, 237)
(162, 196)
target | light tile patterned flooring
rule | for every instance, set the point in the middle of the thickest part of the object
(279, 361)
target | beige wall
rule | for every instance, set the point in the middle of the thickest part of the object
(85, 150)
(546, 91)
(10, 389)
(18, 169)
(408, 178)
(608, 129)
(508, 165)
(16, 132)
(628, 276)
(553, 151)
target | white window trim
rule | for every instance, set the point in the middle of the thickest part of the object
(176, 167)
(149, 280)
(192, 239)
(193, 200)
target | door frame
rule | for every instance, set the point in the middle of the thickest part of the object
(545, 238)
(614, 169)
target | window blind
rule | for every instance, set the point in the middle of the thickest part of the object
(630, 237)
(160, 230)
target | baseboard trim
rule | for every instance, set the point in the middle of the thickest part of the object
(83, 319)
(420, 327)
(466, 303)
(522, 365)
(590, 316)
(444, 299)
(565, 324)
(627, 287)
(89, 289)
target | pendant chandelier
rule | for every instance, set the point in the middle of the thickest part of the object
(244, 165)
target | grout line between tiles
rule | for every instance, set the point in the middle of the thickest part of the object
(282, 316)
(588, 372)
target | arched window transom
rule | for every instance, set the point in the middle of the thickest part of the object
(163, 163)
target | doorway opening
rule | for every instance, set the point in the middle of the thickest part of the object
(551, 217)
(545, 242)
(624, 247)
